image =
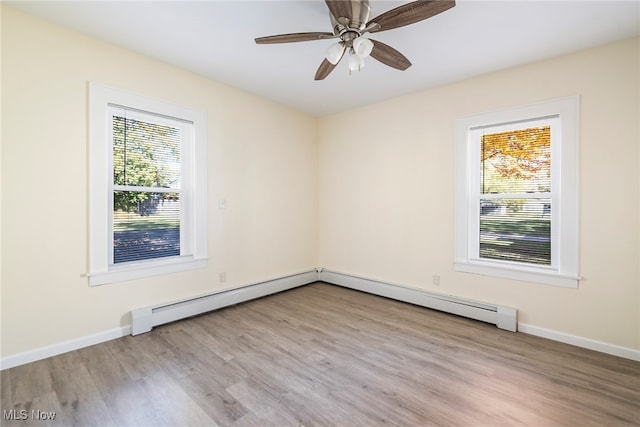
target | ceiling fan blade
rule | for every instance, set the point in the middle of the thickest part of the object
(340, 8)
(409, 13)
(389, 56)
(294, 37)
(324, 70)
(327, 67)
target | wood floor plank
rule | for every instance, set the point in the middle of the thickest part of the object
(80, 400)
(6, 392)
(214, 400)
(174, 406)
(126, 399)
(201, 360)
(29, 382)
(321, 355)
(265, 405)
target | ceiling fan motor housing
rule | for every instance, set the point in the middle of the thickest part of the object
(360, 12)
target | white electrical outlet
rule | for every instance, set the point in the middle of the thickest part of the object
(223, 276)
(436, 280)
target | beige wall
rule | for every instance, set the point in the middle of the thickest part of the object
(299, 192)
(262, 158)
(386, 197)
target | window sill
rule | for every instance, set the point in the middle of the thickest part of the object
(140, 270)
(545, 278)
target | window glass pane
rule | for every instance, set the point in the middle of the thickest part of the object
(145, 225)
(516, 230)
(145, 154)
(516, 161)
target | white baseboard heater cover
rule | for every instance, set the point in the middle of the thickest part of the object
(145, 318)
(502, 317)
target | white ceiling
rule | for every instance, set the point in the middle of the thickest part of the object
(215, 39)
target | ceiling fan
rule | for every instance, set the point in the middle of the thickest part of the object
(350, 21)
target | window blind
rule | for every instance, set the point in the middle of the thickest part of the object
(146, 187)
(515, 195)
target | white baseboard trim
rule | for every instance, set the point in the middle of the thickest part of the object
(63, 347)
(602, 347)
(205, 303)
(425, 299)
(257, 290)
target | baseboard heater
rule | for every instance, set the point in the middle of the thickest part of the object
(502, 317)
(145, 318)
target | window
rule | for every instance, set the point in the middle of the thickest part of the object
(147, 187)
(516, 193)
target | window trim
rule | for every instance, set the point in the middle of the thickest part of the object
(565, 171)
(101, 272)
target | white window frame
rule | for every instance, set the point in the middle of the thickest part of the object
(194, 207)
(563, 115)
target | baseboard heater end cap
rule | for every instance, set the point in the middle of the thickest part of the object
(507, 319)
(141, 320)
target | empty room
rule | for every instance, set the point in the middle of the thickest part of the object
(320, 213)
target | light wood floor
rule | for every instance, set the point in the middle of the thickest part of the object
(321, 355)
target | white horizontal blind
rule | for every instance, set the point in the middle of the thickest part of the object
(514, 202)
(147, 186)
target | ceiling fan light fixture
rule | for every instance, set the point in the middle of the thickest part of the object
(334, 53)
(362, 46)
(356, 62)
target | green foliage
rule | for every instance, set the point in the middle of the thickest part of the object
(146, 155)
